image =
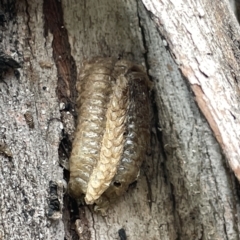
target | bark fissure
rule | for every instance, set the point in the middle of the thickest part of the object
(28, 18)
(66, 90)
(145, 53)
(66, 66)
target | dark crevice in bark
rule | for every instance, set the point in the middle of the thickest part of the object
(145, 54)
(54, 206)
(122, 234)
(64, 151)
(8, 13)
(66, 92)
(176, 218)
(149, 194)
(159, 135)
(155, 123)
(165, 158)
(7, 62)
(28, 19)
(66, 66)
(8, 9)
(236, 187)
(237, 2)
(95, 231)
(29, 38)
(71, 213)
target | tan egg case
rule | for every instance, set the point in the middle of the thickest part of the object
(112, 134)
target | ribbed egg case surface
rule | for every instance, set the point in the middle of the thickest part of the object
(112, 134)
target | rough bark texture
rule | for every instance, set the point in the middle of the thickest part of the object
(185, 190)
(212, 69)
(201, 183)
(25, 178)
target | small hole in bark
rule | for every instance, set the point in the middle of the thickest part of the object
(44, 88)
(122, 234)
(134, 69)
(17, 74)
(133, 185)
(117, 184)
(31, 212)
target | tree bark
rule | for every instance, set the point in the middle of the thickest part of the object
(26, 176)
(205, 48)
(185, 189)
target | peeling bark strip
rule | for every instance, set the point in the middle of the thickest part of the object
(65, 63)
(211, 66)
(113, 130)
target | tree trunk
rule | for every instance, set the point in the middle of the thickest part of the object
(212, 69)
(185, 189)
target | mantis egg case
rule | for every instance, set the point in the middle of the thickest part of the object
(112, 132)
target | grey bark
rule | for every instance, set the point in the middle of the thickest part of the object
(185, 190)
(25, 177)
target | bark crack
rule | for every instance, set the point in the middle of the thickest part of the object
(145, 54)
(28, 17)
(66, 75)
(93, 226)
(28, 38)
(65, 63)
